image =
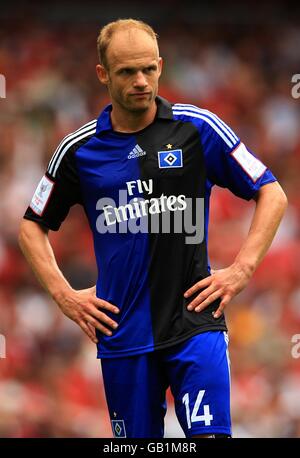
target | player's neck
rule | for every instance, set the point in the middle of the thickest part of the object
(127, 122)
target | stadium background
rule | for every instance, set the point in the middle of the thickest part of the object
(234, 60)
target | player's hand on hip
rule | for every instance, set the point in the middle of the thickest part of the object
(224, 283)
(85, 309)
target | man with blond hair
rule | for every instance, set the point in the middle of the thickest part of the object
(143, 172)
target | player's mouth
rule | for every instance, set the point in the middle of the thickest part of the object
(140, 94)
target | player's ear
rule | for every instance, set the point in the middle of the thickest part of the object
(160, 65)
(102, 74)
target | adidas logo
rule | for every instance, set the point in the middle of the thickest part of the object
(136, 152)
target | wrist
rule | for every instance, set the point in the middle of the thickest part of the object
(247, 267)
(58, 294)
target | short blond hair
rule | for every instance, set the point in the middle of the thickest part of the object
(106, 33)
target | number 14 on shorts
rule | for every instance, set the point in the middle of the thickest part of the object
(206, 416)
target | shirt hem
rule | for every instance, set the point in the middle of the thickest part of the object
(161, 346)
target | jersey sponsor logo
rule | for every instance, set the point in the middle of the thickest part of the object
(249, 163)
(136, 152)
(170, 159)
(41, 195)
(162, 213)
(118, 428)
(138, 207)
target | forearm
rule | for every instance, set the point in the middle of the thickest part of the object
(271, 203)
(35, 245)
(226, 283)
(81, 306)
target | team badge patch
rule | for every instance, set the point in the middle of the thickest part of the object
(252, 166)
(118, 427)
(41, 195)
(170, 159)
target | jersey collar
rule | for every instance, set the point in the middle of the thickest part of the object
(164, 111)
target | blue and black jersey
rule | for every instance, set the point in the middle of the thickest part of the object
(146, 196)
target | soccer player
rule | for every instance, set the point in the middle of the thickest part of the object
(143, 172)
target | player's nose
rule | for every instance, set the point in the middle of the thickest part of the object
(140, 80)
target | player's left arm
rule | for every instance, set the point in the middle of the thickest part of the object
(230, 164)
(271, 203)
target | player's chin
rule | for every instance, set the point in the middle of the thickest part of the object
(140, 103)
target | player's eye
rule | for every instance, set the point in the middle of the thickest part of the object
(126, 71)
(150, 69)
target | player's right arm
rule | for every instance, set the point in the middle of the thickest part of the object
(57, 191)
(81, 306)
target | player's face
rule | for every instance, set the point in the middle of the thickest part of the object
(134, 67)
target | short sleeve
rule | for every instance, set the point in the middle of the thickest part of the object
(229, 163)
(57, 191)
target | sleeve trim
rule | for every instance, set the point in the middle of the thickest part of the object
(40, 222)
(216, 123)
(86, 131)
